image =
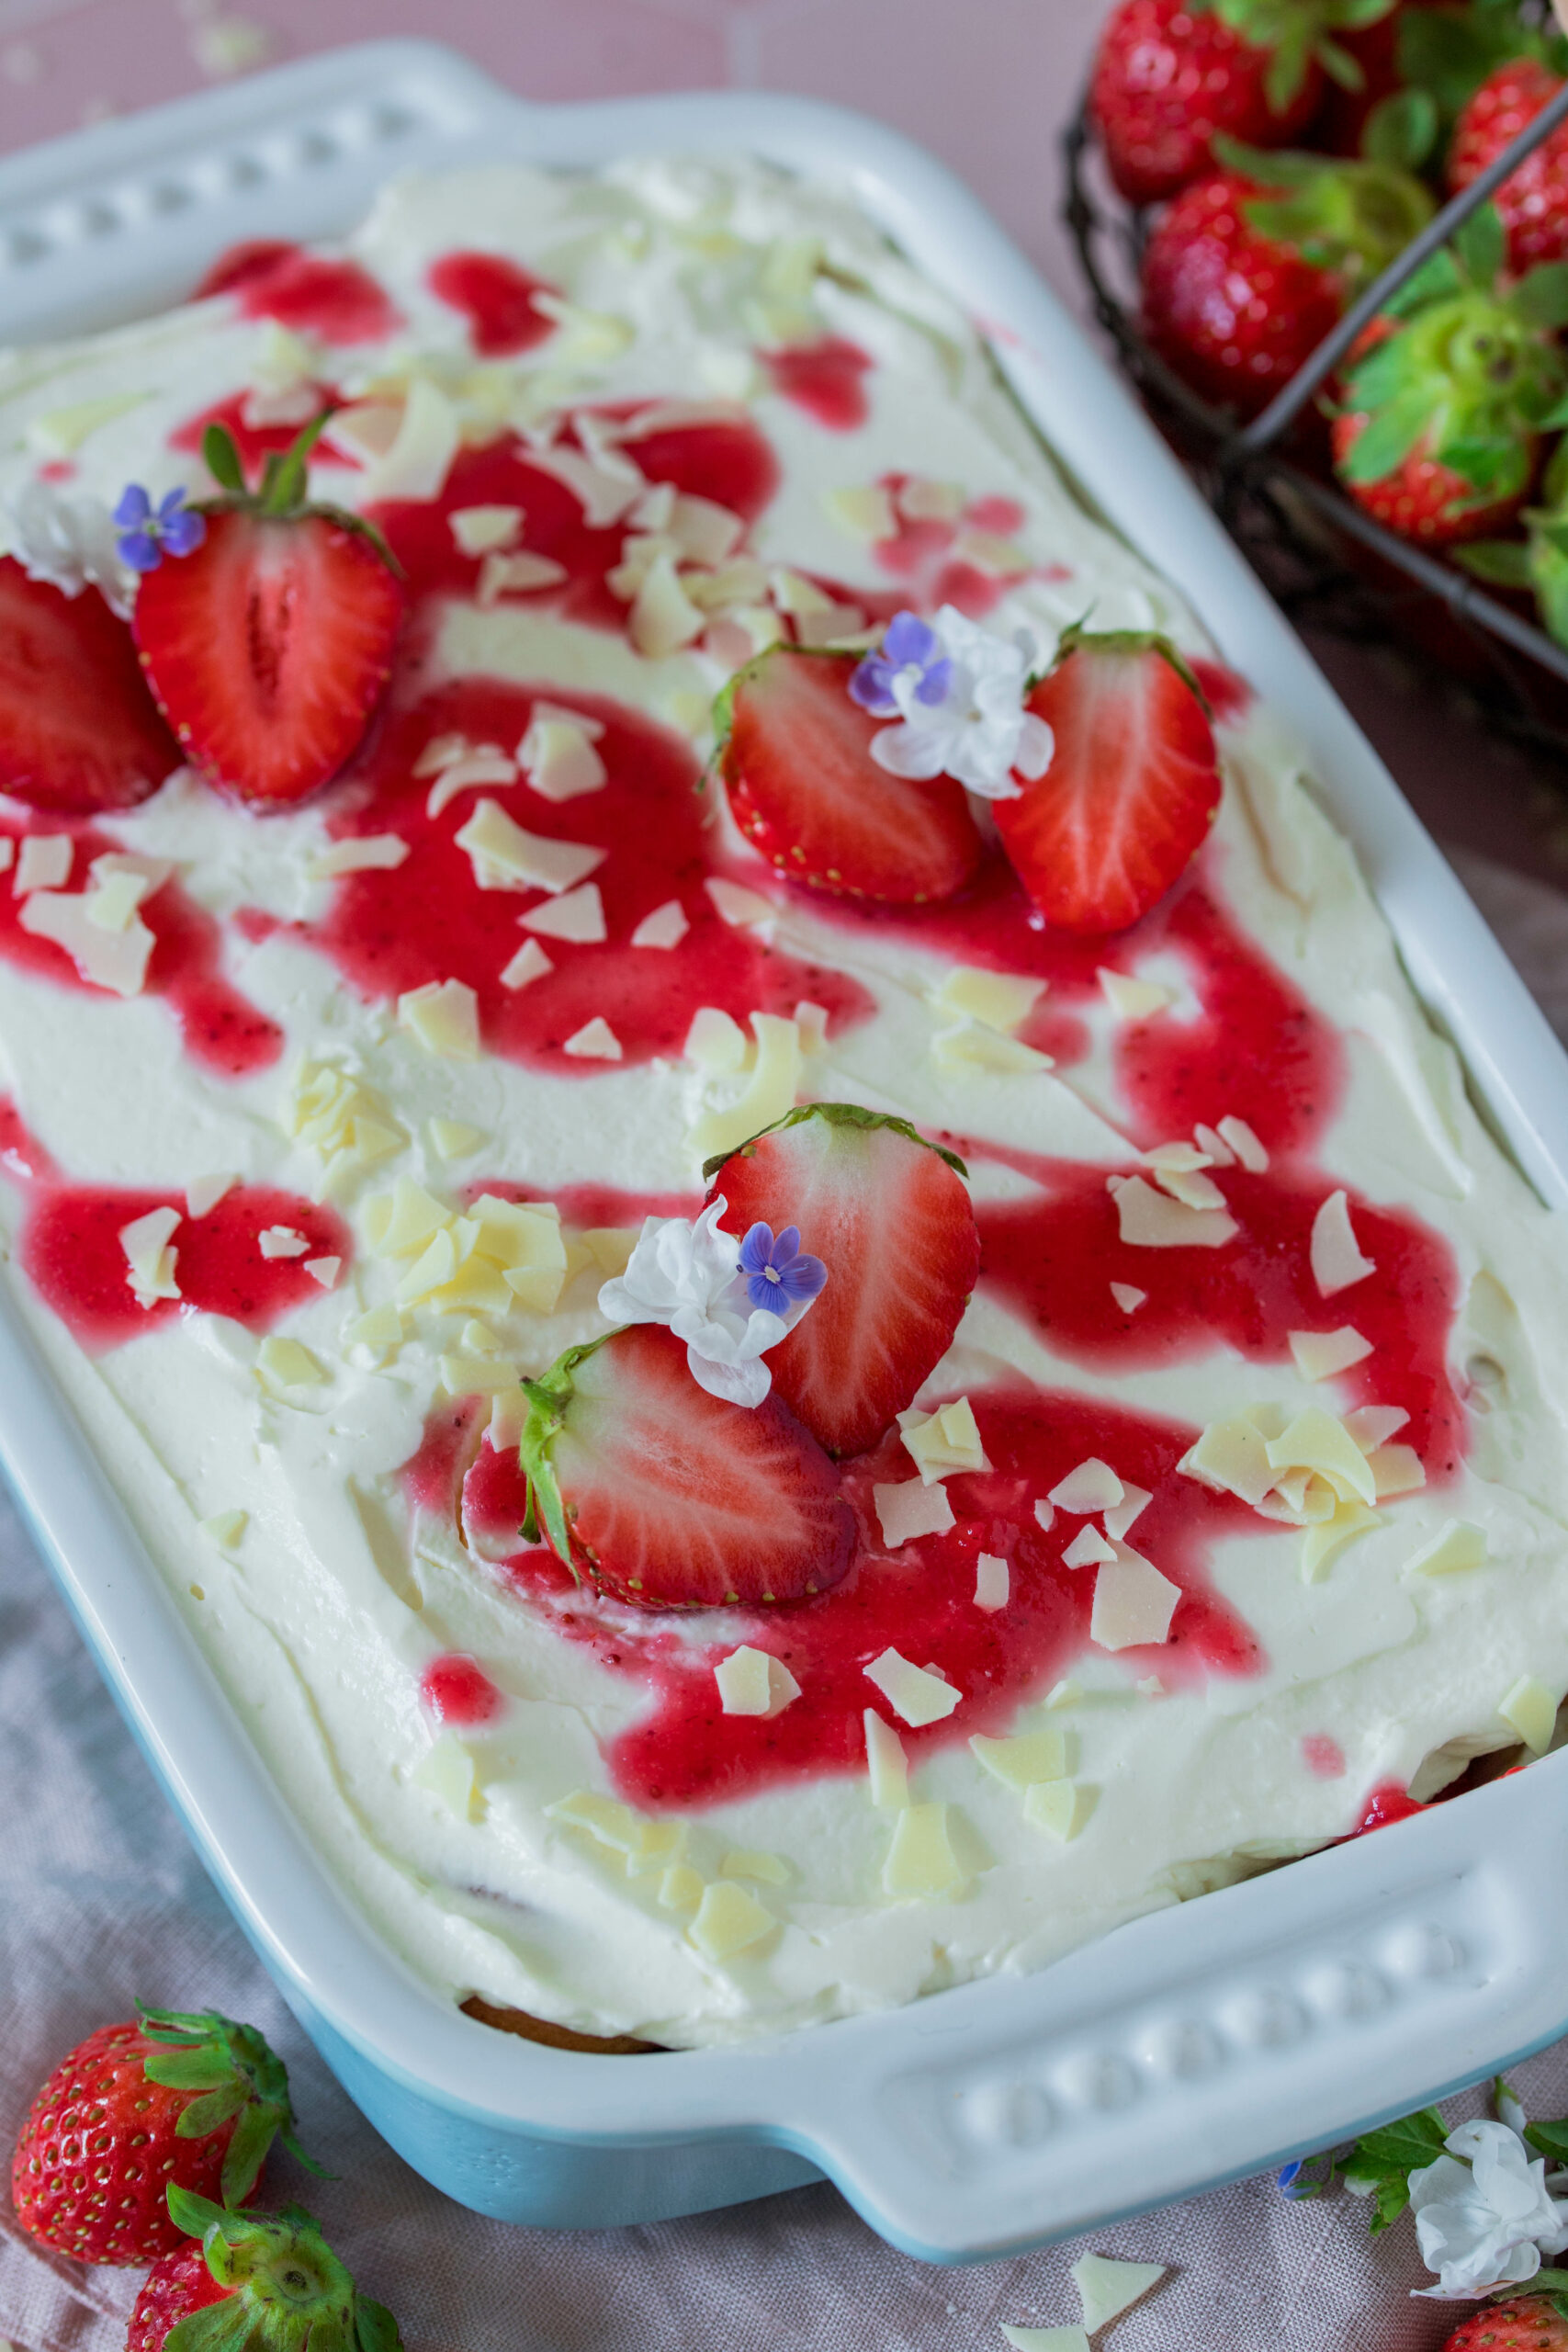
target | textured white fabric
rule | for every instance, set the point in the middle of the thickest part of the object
(101, 1900)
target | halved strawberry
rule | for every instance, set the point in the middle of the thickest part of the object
(890, 1219)
(268, 647)
(78, 728)
(1131, 790)
(672, 1498)
(805, 791)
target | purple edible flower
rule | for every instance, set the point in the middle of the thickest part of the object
(1286, 2178)
(148, 533)
(778, 1274)
(909, 644)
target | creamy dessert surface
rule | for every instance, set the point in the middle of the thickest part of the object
(325, 1580)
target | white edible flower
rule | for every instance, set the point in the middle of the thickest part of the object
(959, 697)
(1483, 2215)
(686, 1273)
(72, 543)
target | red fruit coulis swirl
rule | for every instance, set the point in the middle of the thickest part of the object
(229, 1037)
(70, 1249)
(1254, 1049)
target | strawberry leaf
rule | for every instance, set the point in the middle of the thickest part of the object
(1552, 2139)
(190, 2070)
(193, 2214)
(1401, 129)
(374, 2329)
(1505, 563)
(1481, 244)
(1390, 437)
(1340, 66)
(204, 2115)
(1438, 278)
(222, 459)
(1381, 2163)
(246, 2153)
(1540, 298)
(220, 2328)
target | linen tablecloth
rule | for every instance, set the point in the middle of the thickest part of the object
(101, 1901)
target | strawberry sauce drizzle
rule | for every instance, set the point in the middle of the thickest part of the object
(221, 1030)
(825, 378)
(1054, 1260)
(686, 1752)
(1386, 1803)
(457, 1691)
(428, 920)
(730, 463)
(337, 301)
(70, 1249)
(497, 298)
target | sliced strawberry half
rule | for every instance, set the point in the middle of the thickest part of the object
(269, 648)
(78, 730)
(1133, 788)
(805, 791)
(890, 1217)
(671, 1499)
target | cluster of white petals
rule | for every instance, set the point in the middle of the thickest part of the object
(1484, 2217)
(686, 1273)
(979, 732)
(72, 543)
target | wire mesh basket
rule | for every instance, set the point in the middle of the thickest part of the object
(1327, 562)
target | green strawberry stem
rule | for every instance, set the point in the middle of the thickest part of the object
(833, 1114)
(287, 2290)
(283, 496)
(239, 2074)
(1077, 637)
(1351, 218)
(1296, 32)
(1471, 374)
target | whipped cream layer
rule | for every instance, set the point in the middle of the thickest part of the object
(534, 1793)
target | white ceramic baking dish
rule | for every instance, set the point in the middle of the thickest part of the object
(1185, 2049)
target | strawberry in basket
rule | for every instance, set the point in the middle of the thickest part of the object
(1252, 265)
(1532, 202)
(1168, 75)
(1447, 397)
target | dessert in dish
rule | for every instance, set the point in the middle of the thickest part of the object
(419, 1107)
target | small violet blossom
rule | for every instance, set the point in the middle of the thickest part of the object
(909, 644)
(1483, 2218)
(957, 690)
(686, 1273)
(779, 1274)
(68, 542)
(148, 533)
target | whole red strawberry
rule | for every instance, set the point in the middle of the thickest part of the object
(187, 2099)
(1530, 2324)
(279, 2284)
(1532, 203)
(269, 646)
(1170, 74)
(1252, 265)
(1447, 395)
